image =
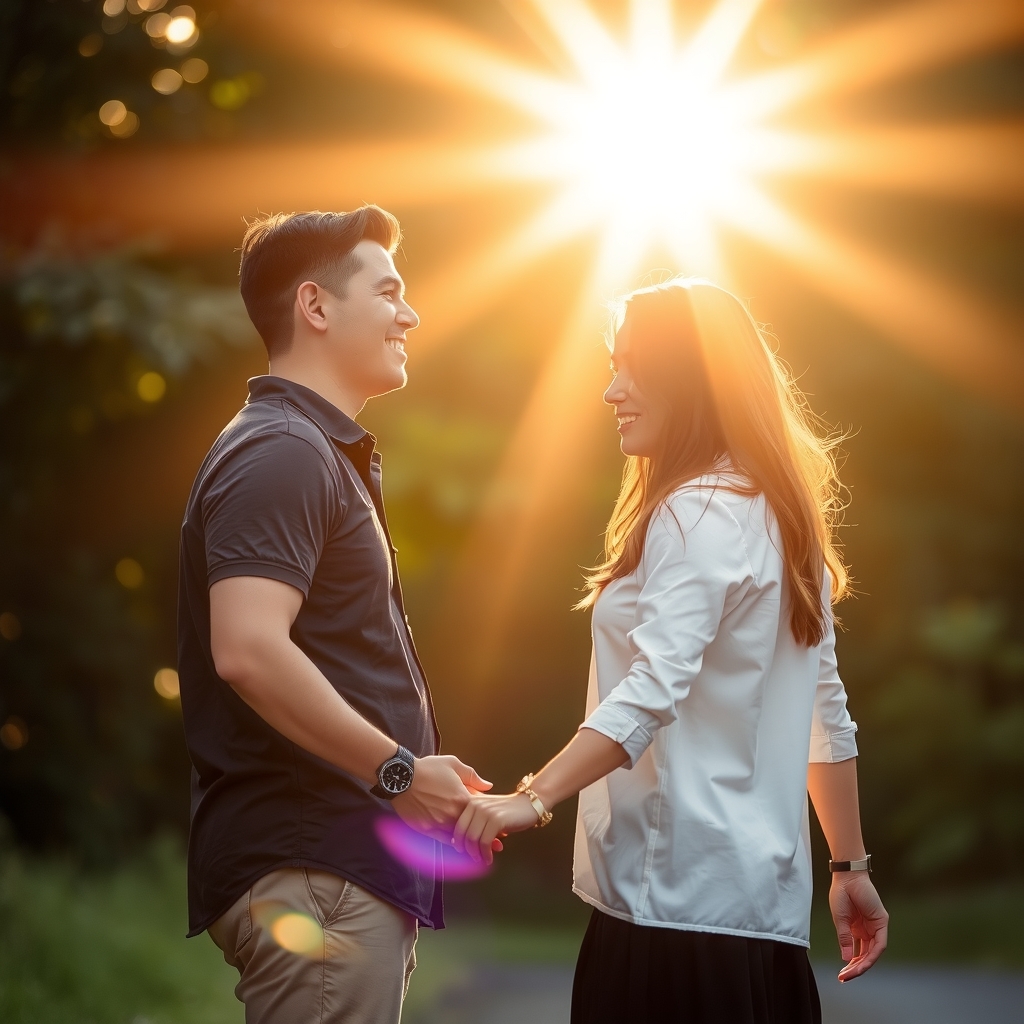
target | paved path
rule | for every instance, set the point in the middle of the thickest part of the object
(888, 995)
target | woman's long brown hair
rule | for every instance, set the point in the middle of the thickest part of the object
(694, 348)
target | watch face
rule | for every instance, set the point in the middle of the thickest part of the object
(395, 776)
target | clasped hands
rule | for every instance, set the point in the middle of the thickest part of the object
(448, 801)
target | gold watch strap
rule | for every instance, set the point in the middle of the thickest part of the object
(543, 815)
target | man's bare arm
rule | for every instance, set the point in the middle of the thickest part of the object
(250, 637)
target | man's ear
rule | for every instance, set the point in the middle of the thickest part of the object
(309, 299)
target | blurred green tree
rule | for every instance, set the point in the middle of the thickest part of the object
(88, 349)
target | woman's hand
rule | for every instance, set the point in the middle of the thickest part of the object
(862, 924)
(488, 817)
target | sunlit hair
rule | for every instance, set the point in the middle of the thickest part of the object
(695, 348)
(281, 251)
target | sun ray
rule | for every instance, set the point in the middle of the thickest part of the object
(404, 44)
(711, 48)
(973, 161)
(946, 328)
(193, 197)
(582, 36)
(618, 177)
(462, 291)
(909, 39)
(545, 462)
(651, 29)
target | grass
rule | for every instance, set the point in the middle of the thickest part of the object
(110, 949)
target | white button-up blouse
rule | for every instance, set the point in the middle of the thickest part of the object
(697, 674)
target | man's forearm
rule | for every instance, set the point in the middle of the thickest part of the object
(833, 791)
(289, 692)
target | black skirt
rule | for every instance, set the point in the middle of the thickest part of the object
(634, 974)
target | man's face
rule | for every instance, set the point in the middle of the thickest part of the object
(367, 326)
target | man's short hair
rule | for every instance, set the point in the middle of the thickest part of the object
(282, 250)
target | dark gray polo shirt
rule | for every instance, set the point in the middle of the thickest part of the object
(291, 491)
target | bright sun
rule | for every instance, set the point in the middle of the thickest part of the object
(648, 142)
(651, 148)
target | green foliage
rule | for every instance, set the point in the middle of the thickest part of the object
(950, 734)
(59, 62)
(79, 651)
(436, 472)
(106, 949)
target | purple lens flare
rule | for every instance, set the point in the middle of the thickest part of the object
(420, 852)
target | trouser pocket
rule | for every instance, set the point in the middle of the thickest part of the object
(328, 892)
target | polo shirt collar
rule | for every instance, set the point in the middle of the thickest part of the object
(339, 427)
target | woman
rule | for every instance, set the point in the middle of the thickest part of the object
(713, 675)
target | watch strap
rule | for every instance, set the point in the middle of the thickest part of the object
(401, 754)
(864, 864)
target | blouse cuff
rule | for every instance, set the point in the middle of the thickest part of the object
(830, 747)
(615, 722)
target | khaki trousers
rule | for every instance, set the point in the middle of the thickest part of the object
(313, 948)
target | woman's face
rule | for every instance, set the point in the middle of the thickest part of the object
(641, 419)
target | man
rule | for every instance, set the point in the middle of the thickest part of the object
(306, 711)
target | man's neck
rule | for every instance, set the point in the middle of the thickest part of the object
(335, 390)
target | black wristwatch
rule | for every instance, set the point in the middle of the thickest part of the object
(394, 776)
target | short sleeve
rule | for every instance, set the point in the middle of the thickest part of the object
(694, 570)
(833, 732)
(269, 510)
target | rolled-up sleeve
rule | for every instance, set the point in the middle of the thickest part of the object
(833, 732)
(694, 570)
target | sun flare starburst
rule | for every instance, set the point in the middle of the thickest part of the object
(659, 141)
(649, 144)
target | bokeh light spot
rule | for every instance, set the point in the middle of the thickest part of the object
(10, 626)
(195, 69)
(151, 387)
(166, 81)
(298, 933)
(425, 855)
(14, 733)
(180, 30)
(150, 5)
(166, 683)
(91, 44)
(112, 8)
(129, 574)
(113, 112)
(156, 25)
(129, 126)
(229, 93)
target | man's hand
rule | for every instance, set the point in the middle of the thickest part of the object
(441, 788)
(862, 924)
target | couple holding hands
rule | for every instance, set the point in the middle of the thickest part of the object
(714, 703)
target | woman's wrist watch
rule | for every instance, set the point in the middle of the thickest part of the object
(395, 775)
(524, 787)
(864, 864)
